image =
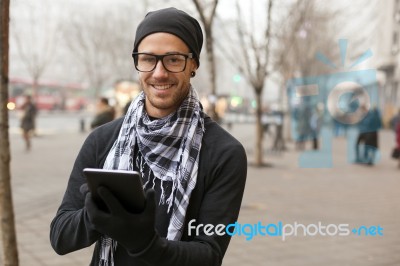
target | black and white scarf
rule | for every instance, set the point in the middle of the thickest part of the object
(170, 146)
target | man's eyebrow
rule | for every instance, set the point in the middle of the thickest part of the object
(177, 52)
(171, 52)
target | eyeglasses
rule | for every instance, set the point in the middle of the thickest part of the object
(174, 62)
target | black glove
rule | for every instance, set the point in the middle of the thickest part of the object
(134, 231)
(84, 189)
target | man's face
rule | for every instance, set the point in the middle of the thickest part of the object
(165, 91)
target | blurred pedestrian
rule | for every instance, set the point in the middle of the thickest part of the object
(29, 112)
(394, 121)
(368, 136)
(193, 171)
(396, 150)
(279, 143)
(303, 128)
(104, 113)
(315, 126)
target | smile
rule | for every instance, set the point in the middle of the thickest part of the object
(162, 87)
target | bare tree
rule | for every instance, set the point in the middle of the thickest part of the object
(307, 31)
(255, 67)
(87, 40)
(281, 48)
(36, 39)
(7, 229)
(207, 14)
(102, 44)
(309, 28)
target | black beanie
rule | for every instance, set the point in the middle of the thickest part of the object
(173, 21)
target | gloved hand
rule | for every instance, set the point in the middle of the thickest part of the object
(134, 231)
(84, 189)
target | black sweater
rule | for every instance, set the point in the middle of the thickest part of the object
(216, 199)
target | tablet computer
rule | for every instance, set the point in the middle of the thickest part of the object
(125, 185)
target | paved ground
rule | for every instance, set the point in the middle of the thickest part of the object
(345, 194)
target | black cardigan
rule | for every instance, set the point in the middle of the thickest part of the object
(216, 199)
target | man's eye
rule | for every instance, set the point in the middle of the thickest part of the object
(147, 59)
(174, 59)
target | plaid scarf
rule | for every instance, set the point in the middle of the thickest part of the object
(170, 146)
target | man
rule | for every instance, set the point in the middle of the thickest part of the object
(368, 129)
(396, 152)
(28, 120)
(104, 113)
(193, 171)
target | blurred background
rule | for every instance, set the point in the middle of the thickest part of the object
(69, 54)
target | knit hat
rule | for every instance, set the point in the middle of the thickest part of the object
(173, 21)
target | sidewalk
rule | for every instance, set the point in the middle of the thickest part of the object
(353, 194)
(349, 194)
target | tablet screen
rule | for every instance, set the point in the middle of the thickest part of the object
(126, 186)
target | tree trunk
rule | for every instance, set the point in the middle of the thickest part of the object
(7, 228)
(207, 24)
(259, 131)
(35, 87)
(211, 61)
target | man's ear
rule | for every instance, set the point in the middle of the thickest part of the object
(193, 69)
(194, 65)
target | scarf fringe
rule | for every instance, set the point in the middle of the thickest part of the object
(108, 247)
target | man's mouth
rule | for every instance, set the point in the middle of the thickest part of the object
(162, 87)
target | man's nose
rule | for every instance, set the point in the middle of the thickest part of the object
(160, 70)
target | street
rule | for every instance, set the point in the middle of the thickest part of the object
(361, 197)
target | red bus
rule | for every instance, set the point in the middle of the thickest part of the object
(47, 95)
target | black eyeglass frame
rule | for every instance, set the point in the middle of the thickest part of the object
(161, 58)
